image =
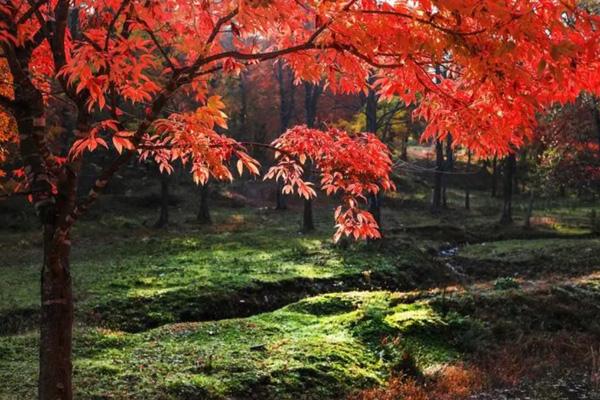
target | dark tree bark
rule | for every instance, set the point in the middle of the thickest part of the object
(280, 199)
(163, 218)
(507, 189)
(404, 146)
(372, 126)
(449, 166)
(495, 176)
(203, 217)
(286, 111)
(244, 110)
(467, 185)
(529, 209)
(311, 99)
(56, 319)
(436, 197)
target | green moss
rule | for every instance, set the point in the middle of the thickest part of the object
(530, 250)
(152, 278)
(320, 347)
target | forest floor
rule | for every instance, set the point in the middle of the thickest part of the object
(447, 306)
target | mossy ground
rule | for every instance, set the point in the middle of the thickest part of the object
(317, 348)
(134, 286)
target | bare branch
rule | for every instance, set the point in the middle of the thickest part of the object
(220, 22)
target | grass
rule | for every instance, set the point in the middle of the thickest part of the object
(548, 251)
(149, 278)
(318, 348)
(140, 294)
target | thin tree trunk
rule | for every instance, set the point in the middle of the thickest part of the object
(163, 219)
(467, 185)
(404, 149)
(449, 167)
(311, 99)
(516, 189)
(371, 126)
(529, 209)
(280, 199)
(375, 207)
(308, 223)
(508, 178)
(436, 197)
(286, 111)
(495, 176)
(203, 217)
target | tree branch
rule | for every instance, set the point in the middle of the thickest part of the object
(113, 22)
(32, 10)
(220, 22)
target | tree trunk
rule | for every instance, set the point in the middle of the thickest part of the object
(56, 320)
(375, 207)
(163, 219)
(56, 311)
(286, 112)
(517, 169)
(311, 100)
(495, 176)
(467, 185)
(404, 148)
(280, 200)
(508, 178)
(436, 198)
(449, 166)
(371, 126)
(529, 209)
(203, 217)
(308, 224)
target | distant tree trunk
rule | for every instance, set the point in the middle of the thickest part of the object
(436, 197)
(517, 170)
(163, 219)
(311, 99)
(375, 207)
(467, 184)
(203, 217)
(244, 131)
(562, 191)
(529, 209)
(308, 222)
(508, 179)
(371, 126)
(404, 148)
(280, 199)
(495, 176)
(449, 167)
(286, 111)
